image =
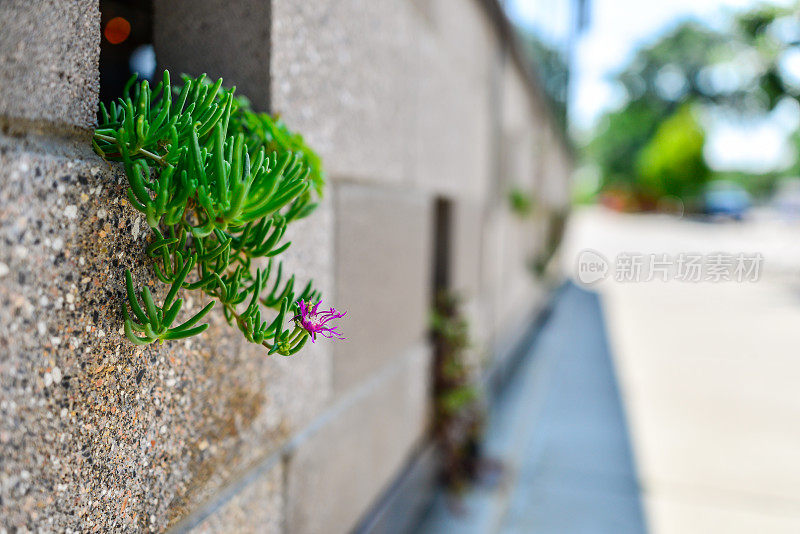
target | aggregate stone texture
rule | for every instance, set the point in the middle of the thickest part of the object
(228, 40)
(97, 434)
(49, 57)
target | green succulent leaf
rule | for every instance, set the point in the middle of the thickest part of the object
(219, 184)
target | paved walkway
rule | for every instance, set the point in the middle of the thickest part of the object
(708, 372)
(710, 375)
(560, 432)
(708, 440)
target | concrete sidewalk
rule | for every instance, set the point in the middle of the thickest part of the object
(560, 432)
(709, 375)
(708, 372)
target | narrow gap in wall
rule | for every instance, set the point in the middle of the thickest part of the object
(126, 45)
(441, 245)
(440, 286)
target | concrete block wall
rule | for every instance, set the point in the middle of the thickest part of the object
(406, 101)
(48, 64)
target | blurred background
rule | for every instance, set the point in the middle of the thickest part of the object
(668, 102)
(666, 394)
(566, 234)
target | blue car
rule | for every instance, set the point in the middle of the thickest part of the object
(726, 199)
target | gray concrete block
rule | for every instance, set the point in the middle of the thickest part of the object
(467, 228)
(258, 508)
(310, 257)
(340, 75)
(510, 290)
(49, 54)
(94, 431)
(519, 111)
(338, 472)
(518, 148)
(453, 130)
(556, 174)
(383, 272)
(228, 40)
(517, 164)
(464, 33)
(467, 264)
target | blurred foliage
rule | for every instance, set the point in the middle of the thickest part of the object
(521, 202)
(550, 64)
(672, 164)
(652, 146)
(218, 184)
(556, 223)
(458, 411)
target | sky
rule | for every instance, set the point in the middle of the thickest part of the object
(616, 29)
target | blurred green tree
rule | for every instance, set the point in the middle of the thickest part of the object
(672, 164)
(639, 148)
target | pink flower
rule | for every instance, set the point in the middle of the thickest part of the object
(314, 322)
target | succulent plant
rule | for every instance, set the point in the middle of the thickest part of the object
(218, 183)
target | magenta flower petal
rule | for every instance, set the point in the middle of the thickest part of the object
(314, 321)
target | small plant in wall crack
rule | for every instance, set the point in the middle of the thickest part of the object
(522, 203)
(458, 415)
(219, 184)
(556, 222)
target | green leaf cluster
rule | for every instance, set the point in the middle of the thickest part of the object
(734, 70)
(672, 162)
(521, 202)
(458, 415)
(218, 183)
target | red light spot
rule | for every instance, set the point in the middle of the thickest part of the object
(117, 30)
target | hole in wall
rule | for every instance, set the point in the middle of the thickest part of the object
(443, 209)
(126, 44)
(440, 282)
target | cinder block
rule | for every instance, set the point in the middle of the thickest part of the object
(228, 40)
(498, 264)
(338, 472)
(453, 136)
(533, 151)
(510, 289)
(94, 431)
(340, 74)
(518, 106)
(310, 257)
(556, 176)
(517, 165)
(383, 271)
(466, 263)
(491, 273)
(515, 295)
(467, 228)
(258, 508)
(518, 148)
(464, 33)
(49, 54)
